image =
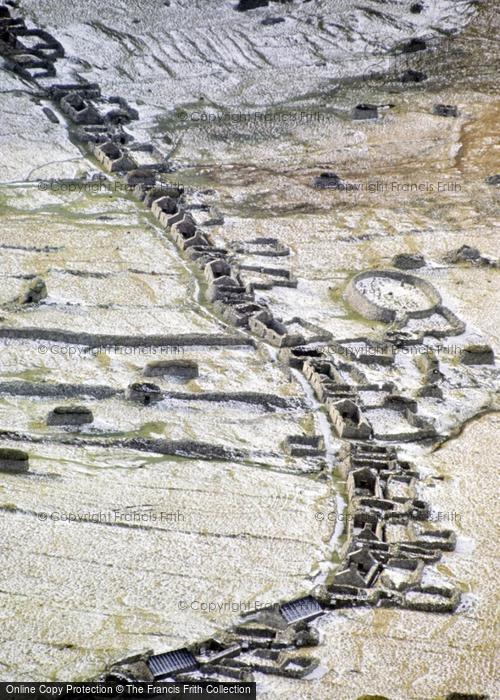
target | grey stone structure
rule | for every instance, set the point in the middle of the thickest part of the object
(187, 369)
(113, 158)
(13, 461)
(79, 109)
(144, 392)
(477, 355)
(369, 309)
(272, 330)
(408, 261)
(71, 415)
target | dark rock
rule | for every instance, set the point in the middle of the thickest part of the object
(468, 254)
(272, 20)
(445, 110)
(176, 368)
(414, 45)
(365, 111)
(413, 76)
(51, 116)
(416, 8)
(493, 180)
(144, 392)
(430, 391)
(70, 415)
(15, 461)
(36, 291)
(308, 637)
(477, 355)
(245, 5)
(407, 261)
(327, 180)
(118, 116)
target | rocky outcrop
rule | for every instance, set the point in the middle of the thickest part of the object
(408, 261)
(413, 76)
(245, 5)
(493, 180)
(469, 255)
(327, 180)
(35, 292)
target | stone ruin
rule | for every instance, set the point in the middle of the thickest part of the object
(112, 157)
(79, 109)
(262, 246)
(144, 392)
(71, 415)
(477, 355)
(348, 420)
(441, 110)
(304, 446)
(470, 256)
(264, 325)
(31, 53)
(327, 181)
(383, 304)
(185, 369)
(408, 261)
(13, 461)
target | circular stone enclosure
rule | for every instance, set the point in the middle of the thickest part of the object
(386, 295)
